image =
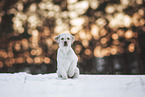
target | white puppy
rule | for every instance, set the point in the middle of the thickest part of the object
(66, 57)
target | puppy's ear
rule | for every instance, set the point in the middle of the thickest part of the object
(72, 39)
(57, 38)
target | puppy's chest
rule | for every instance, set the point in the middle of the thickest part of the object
(67, 57)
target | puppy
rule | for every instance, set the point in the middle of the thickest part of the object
(66, 57)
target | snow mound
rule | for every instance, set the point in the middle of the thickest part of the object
(49, 85)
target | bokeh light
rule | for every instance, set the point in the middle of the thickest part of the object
(100, 30)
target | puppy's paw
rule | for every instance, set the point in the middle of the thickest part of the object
(70, 74)
(64, 78)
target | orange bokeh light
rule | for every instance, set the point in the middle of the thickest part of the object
(47, 60)
(88, 52)
(129, 34)
(115, 36)
(103, 40)
(131, 47)
(1, 64)
(29, 60)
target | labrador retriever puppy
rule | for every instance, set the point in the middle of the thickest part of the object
(66, 57)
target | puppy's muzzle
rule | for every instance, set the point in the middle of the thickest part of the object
(65, 43)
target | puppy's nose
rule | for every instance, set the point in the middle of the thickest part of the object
(65, 43)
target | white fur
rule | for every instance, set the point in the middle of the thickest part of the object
(66, 57)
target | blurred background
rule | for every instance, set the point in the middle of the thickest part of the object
(110, 35)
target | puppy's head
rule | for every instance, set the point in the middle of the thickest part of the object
(65, 39)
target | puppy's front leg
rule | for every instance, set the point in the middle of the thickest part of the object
(72, 67)
(76, 73)
(62, 72)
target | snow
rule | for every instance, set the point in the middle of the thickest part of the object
(49, 85)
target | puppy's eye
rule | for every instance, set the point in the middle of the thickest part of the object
(62, 38)
(68, 38)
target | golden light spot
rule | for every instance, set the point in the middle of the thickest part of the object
(55, 46)
(101, 22)
(77, 38)
(78, 49)
(10, 54)
(13, 11)
(77, 21)
(88, 36)
(12, 60)
(17, 46)
(49, 5)
(35, 38)
(42, 6)
(47, 60)
(113, 50)
(81, 7)
(75, 29)
(56, 8)
(20, 30)
(114, 36)
(103, 40)
(97, 51)
(127, 21)
(139, 1)
(135, 19)
(61, 28)
(1, 64)
(71, 1)
(29, 60)
(64, 14)
(110, 9)
(105, 52)
(20, 60)
(25, 44)
(94, 4)
(103, 32)
(18, 22)
(37, 60)
(39, 51)
(46, 31)
(82, 35)
(141, 12)
(85, 43)
(95, 31)
(35, 33)
(128, 34)
(33, 21)
(0, 19)
(124, 2)
(8, 63)
(131, 47)
(20, 6)
(88, 52)
(70, 7)
(142, 22)
(25, 1)
(3, 54)
(120, 33)
(33, 52)
(33, 7)
(143, 28)
(120, 20)
(51, 14)
(73, 14)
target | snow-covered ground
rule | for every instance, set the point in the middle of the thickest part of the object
(48, 85)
